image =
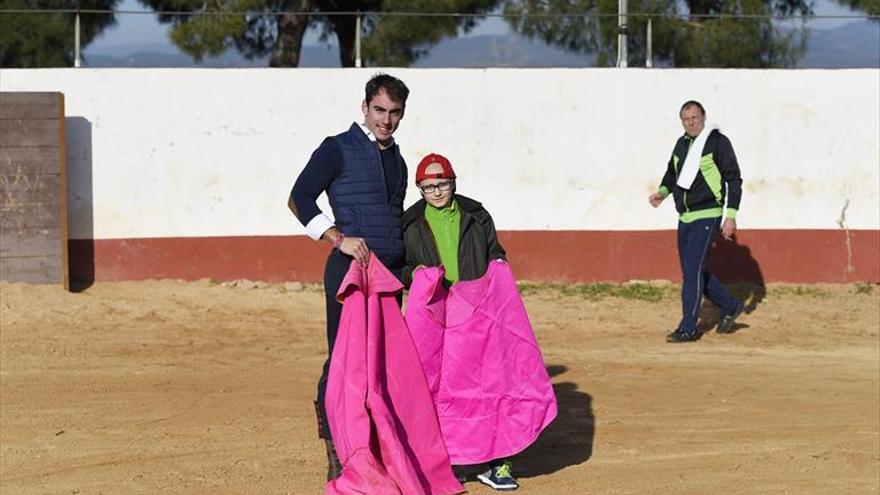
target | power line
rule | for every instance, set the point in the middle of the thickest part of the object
(553, 15)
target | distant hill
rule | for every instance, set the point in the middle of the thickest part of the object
(165, 55)
(500, 51)
(477, 51)
(856, 44)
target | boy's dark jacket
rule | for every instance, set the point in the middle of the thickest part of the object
(478, 241)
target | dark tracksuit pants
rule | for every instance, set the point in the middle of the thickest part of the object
(694, 240)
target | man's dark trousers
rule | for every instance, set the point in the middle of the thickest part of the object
(334, 271)
(694, 241)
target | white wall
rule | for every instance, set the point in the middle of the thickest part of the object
(211, 152)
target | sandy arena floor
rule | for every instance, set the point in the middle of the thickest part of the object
(172, 387)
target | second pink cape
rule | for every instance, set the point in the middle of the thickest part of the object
(482, 363)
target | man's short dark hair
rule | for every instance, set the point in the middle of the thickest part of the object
(692, 103)
(395, 88)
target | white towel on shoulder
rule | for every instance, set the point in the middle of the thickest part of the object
(692, 161)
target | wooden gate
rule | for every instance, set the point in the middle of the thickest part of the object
(33, 188)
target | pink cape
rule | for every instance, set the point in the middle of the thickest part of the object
(482, 363)
(380, 411)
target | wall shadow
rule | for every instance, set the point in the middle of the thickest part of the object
(80, 204)
(568, 440)
(733, 262)
(740, 272)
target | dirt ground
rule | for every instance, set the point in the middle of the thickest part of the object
(173, 387)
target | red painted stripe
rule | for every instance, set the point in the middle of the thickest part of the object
(271, 259)
(798, 256)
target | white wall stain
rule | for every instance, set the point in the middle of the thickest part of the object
(841, 221)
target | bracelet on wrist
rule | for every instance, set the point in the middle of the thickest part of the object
(338, 242)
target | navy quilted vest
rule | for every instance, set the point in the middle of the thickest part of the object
(362, 205)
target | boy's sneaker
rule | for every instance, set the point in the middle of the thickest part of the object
(499, 478)
(727, 321)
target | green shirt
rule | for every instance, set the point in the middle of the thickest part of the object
(445, 224)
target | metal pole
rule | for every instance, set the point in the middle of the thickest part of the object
(649, 55)
(357, 41)
(77, 57)
(621, 34)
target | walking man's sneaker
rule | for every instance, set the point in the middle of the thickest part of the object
(499, 478)
(727, 321)
(678, 337)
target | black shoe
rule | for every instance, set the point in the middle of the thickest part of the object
(677, 337)
(334, 467)
(460, 474)
(726, 323)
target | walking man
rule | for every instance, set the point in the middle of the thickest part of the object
(701, 173)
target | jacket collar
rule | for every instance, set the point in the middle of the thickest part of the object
(469, 209)
(369, 134)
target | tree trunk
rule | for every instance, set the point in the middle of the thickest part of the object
(703, 7)
(345, 33)
(291, 28)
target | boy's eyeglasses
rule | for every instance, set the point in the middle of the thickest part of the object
(430, 188)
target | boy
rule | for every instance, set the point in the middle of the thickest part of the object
(454, 232)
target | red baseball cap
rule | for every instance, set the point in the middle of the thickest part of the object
(432, 159)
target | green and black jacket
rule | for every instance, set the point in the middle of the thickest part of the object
(719, 177)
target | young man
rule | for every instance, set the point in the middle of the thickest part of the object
(364, 176)
(701, 173)
(455, 232)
